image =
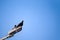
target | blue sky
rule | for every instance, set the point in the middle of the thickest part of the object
(41, 19)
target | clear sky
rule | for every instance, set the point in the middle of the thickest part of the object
(41, 19)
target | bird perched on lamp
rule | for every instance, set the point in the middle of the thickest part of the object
(16, 29)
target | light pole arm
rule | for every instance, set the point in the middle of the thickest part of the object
(12, 32)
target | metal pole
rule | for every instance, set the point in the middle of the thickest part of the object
(6, 37)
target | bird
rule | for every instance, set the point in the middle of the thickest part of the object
(16, 29)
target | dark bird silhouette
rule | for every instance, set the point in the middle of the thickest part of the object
(20, 24)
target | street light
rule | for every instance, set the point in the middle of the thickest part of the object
(14, 30)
